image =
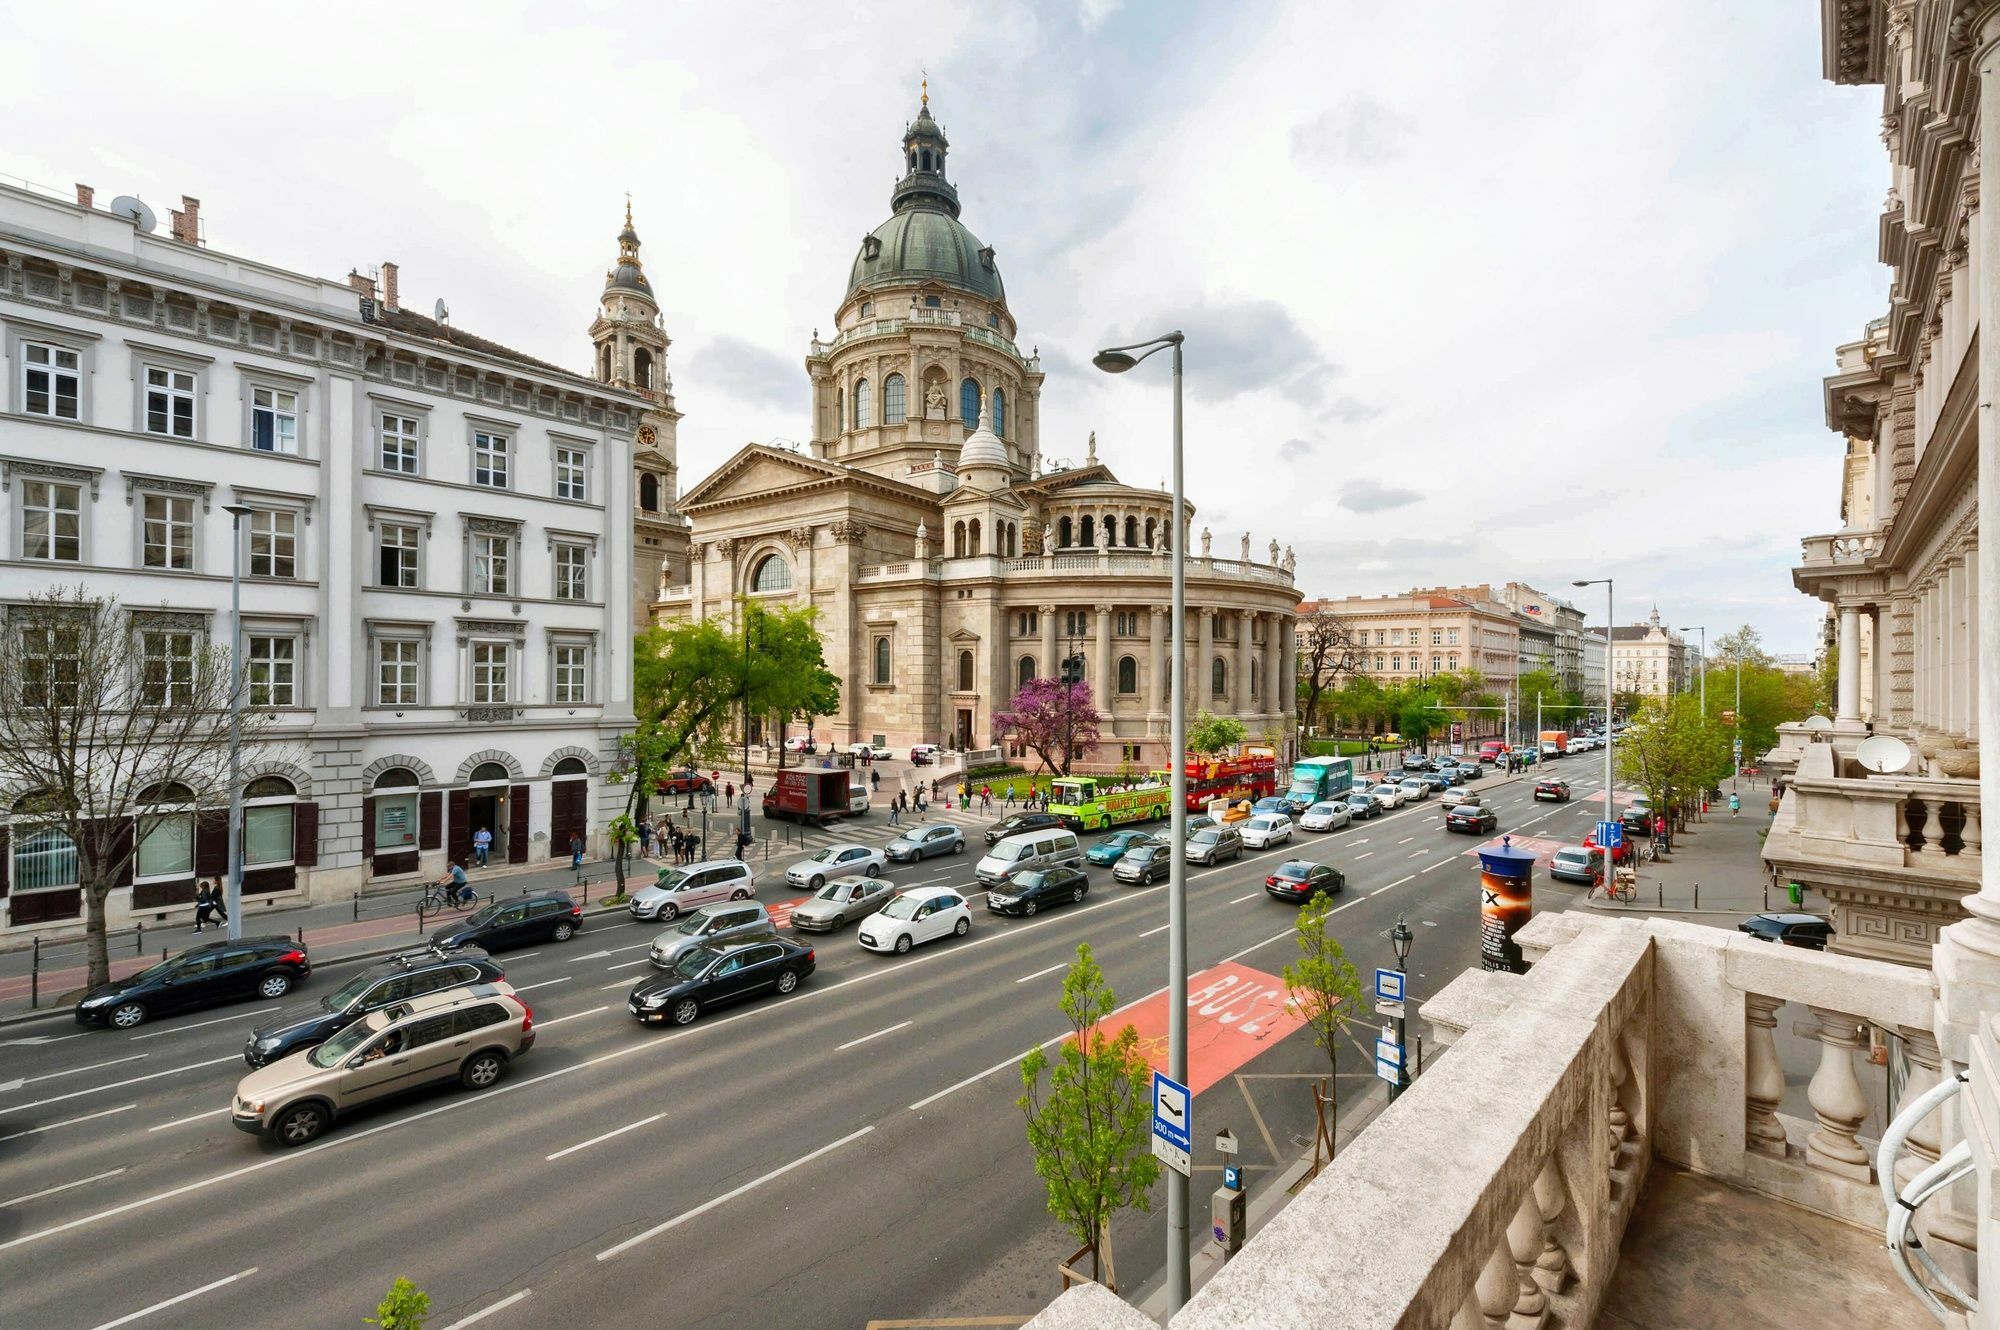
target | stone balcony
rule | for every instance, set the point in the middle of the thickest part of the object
(1617, 1154)
(1839, 561)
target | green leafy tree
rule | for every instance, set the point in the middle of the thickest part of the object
(1673, 753)
(1211, 734)
(1419, 717)
(1089, 1128)
(1326, 992)
(406, 1308)
(1359, 702)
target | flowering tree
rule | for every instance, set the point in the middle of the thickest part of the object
(1056, 720)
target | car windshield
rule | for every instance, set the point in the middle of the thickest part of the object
(340, 999)
(826, 856)
(693, 924)
(694, 963)
(669, 878)
(1208, 837)
(1007, 852)
(1028, 881)
(485, 914)
(1320, 808)
(903, 907)
(337, 1049)
(1139, 853)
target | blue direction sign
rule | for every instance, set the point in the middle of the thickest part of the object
(1610, 835)
(1173, 1113)
(1388, 985)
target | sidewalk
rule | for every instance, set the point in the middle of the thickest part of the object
(1715, 870)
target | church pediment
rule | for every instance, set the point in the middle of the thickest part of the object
(760, 472)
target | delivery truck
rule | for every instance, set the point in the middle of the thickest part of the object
(1555, 743)
(809, 794)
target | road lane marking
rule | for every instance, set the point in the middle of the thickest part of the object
(1363, 855)
(616, 983)
(626, 965)
(877, 1035)
(1416, 854)
(613, 951)
(521, 956)
(618, 1131)
(485, 1312)
(72, 1071)
(50, 1191)
(1406, 840)
(607, 928)
(1439, 864)
(182, 1122)
(728, 1196)
(155, 1034)
(66, 1122)
(1251, 897)
(543, 1025)
(543, 984)
(1397, 883)
(1161, 929)
(38, 1039)
(177, 1299)
(1039, 973)
(118, 1085)
(1361, 841)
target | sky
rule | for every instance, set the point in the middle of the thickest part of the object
(1470, 294)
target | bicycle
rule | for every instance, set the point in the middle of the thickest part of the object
(442, 897)
(1618, 889)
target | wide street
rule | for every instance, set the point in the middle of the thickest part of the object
(849, 1152)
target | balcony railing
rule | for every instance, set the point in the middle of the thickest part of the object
(1926, 827)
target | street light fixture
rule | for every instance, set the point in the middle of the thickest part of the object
(232, 900)
(1610, 729)
(1400, 938)
(1116, 360)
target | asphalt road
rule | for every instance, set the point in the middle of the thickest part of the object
(850, 1152)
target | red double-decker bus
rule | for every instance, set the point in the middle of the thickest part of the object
(1231, 778)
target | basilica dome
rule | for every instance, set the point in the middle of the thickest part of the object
(924, 241)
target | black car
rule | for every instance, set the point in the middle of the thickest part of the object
(1794, 930)
(1397, 775)
(1015, 823)
(712, 976)
(1030, 889)
(1470, 769)
(1637, 820)
(204, 976)
(1470, 817)
(1362, 804)
(1300, 880)
(382, 984)
(541, 916)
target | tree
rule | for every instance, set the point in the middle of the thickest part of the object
(1418, 717)
(1329, 650)
(1673, 753)
(1211, 734)
(1056, 720)
(1360, 701)
(1326, 992)
(406, 1308)
(104, 713)
(1089, 1130)
(1746, 643)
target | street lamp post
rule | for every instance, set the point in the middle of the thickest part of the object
(1116, 360)
(1400, 938)
(1704, 667)
(232, 900)
(1610, 732)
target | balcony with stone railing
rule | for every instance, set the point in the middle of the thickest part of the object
(1618, 1154)
(1829, 562)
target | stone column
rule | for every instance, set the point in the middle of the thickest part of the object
(1878, 709)
(1102, 685)
(1156, 668)
(1973, 663)
(1201, 684)
(1274, 663)
(1958, 649)
(1849, 713)
(1245, 620)
(1047, 668)
(1288, 667)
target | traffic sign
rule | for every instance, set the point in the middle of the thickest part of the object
(1225, 1142)
(1611, 835)
(1232, 1178)
(1173, 1139)
(1389, 985)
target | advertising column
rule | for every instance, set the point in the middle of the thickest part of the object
(1506, 898)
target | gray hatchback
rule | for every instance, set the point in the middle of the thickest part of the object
(732, 921)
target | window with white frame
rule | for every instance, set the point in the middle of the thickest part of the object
(170, 401)
(51, 521)
(164, 827)
(1451, 637)
(489, 671)
(489, 459)
(492, 558)
(45, 859)
(50, 667)
(166, 667)
(272, 663)
(51, 381)
(569, 673)
(396, 552)
(274, 542)
(166, 532)
(572, 476)
(572, 564)
(268, 803)
(397, 672)
(274, 420)
(399, 438)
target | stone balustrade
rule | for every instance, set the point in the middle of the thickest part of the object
(1630, 1040)
(1840, 549)
(1927, 827)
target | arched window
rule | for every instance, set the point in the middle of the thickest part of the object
(570, 766)
(1110, 531)
(649, 493)
(1131, 531)
(1024, 671)
(642, 368)
(1128, 675)
(393, 806)
(958, 540)
(965, 671)
(1218, 677)
(881, 660)
(894, 407)
(1000, 412)
(1010, 535)
(773, 574)
(972, 539)
(165, 828)
(1062, 533)
(268, 802)
(864, 405)
(1152, 531)
(1088, 536)
(968, 403)
(487, 773)
(604, 362)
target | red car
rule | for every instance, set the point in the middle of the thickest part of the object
(685, 781)
(1621, 855)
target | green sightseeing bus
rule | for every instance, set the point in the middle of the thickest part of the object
(1084, 805)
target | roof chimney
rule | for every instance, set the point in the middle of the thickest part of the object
(186, 221)
(84, 194)
(389, 285)
(360, 282)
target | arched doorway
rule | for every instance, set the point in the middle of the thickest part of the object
(569, 806)
(488, 806)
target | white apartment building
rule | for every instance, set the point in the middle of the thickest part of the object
(437, 596)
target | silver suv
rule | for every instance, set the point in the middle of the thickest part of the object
(679, 890)
(735, 921)
(468, 1035)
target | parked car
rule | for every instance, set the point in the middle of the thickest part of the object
(204, 976)
(1214, 844)
(1265, 830)
(1015, 823)
(684, 781)
(1300, 880)
(1388, 796)
(715, 975)
(1113, 848)
(468, 1035)
(913, 916)
(1362, 804)
(1026, 892)
(383, 984)
(731, 921)
(1327, 815)
(514, 921)
(1576, 863)
(836, 861)
(1553, 789)
(1414, 788)
(924, 840)
(1620, 855)
(922, 755)
(1794, 930)
(841, 902)
(1470, 817)
(1277, 806)
(873, 752)
(800, 744)
(1638, 817)
(677, 890)
(1145, 864)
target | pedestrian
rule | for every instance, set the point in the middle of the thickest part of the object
(694, 845)
(203, 903)
(935, 790)
(986, 798)
(895, 813)
(482, 842)
(742, 844)
(874, 779)
(1010, 794)
(576, 852)
(729, 792)
(646, 840)
(1735, 804)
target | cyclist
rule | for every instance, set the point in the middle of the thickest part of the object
(457, 891)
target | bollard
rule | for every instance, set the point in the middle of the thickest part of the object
(35, 977)
(357, 907)
(138, 939)
(1662, 888)
(302, 936)
(1767, 893)
(1697, 895)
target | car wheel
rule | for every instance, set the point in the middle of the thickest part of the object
(1076, 895)
(127, 1015)
(685, 1011)
(481, 1070)
(787, 981)
(274, 985)
(903, 945)
(668, 913)
(958, 847)
(1028, 910)
(299, 1124)
(818, 881)
(563, 931)
(962, 927)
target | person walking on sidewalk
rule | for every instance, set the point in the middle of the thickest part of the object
(742, 845)
(482, 842)
(205, 904)
(1735, 804)
(576, 852)
(1010, 794)
(896, 812)
(874, 781)
(646, 840)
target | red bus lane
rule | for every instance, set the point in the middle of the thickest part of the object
(1234, 1013)
(1539, 846)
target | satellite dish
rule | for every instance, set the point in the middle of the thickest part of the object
(134, 211)
(1817, 723)
(439, 312)
(1884, 753)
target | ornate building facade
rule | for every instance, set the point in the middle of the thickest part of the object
(948, 561)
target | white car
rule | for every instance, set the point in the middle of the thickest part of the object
(689, 886)
(1265, 830)
(919, 914)
(1387, 796)
(799, 744)
(1325, 817)
(836, 861)
(873, 752)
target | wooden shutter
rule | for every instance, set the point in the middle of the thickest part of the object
(430, 820)
(121, 848)
(211, 845)
(460, 828)
(517, 824)
(305, 835)
(567, 802)
(367, 828)
(6, 862)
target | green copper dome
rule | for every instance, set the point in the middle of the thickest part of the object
(925, 241)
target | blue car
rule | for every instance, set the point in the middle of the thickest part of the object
(1112, 849)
